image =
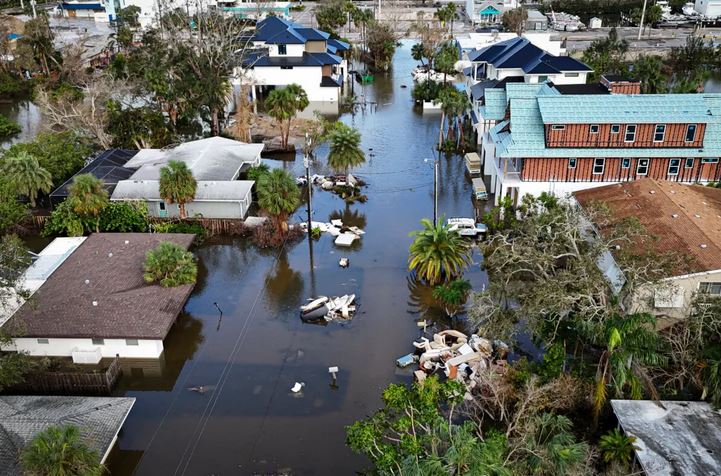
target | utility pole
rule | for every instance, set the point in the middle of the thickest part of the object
(32, 4)
(643, 15)
(306, 163)
(435, 190)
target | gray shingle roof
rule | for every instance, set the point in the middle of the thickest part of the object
(127, 307)
(23, 417)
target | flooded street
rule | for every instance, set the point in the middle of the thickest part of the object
(248, 421)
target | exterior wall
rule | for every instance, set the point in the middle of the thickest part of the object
(687, 286)
(228, 209)
(309, 77)
(708, 8)
(316, 46)
(290, 50)
(579, 135)
(576, 78)
(60, 347)
(557, 170)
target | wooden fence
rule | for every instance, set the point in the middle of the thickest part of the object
(70, 383)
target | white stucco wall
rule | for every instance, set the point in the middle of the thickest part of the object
(291, 50)
(708, 8)
(228, 209)
(60, 347)
(308, 77)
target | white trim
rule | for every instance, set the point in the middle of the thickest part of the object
(663, 133)
(692, 275)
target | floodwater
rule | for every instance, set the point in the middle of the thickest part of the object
(27, 115)
(248, 421)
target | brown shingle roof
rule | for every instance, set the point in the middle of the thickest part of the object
(684, 218)
(127, 307)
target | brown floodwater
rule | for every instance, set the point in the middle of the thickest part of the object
(248, 421)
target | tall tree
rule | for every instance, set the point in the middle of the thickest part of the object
(88, 198)
(283, 104)
(60, 451)
(446, 59)
(515, 20)
(437, 253)
(279, 196)
(177, 185)
(381, 41)
(607, 55)
(331, 16)
(454, 104)
(648, 69)
(24, 173)
(345, 149)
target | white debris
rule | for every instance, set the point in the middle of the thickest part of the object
(297, 387)
(328, 309)
(346, 239)
(343, 262)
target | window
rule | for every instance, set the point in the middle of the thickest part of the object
(286, 67)
(642, 167)
(710, 288)
(98, 341)
(689, 163)
(598, 165)
(660, 133)
(691, 133)
(615, 128)
(630, 133)
(282, 50)
(712, 160)
(43, 341)
(542, 79)
(593, 129)
(625, 163)
(673, 166)
(162, 206)
(571, 75)
(557, 127)
(131, 341)
(571, 163)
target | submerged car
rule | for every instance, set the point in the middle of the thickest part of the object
(467, 227)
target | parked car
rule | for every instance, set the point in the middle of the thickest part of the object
(467, 227)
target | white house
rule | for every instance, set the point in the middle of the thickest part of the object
(285, 53)
(93, 301)
(708, 8)
(488, 12)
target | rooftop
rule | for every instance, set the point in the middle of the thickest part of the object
(214, 158)
(521, 53)
(23, 417)
(673, 438)
(276, 30)
(98, 292)
(681, 218)
(108, 167)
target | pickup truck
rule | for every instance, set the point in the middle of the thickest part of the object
(467, 227)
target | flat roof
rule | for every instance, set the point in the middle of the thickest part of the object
(106, 269)
(680, 218)
(22, 417)
(673, 438)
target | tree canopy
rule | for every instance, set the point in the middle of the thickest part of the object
(177, 185)
(170, 265)
(60, 451)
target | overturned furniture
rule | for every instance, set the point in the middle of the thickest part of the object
(327, 309)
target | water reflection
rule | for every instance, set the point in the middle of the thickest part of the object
(349, 217)
(283, 285)
(28, 117)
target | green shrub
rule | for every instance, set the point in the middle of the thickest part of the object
(181, 227)
(8, 128)
(170, 265)
(124, 217)
(12, 211)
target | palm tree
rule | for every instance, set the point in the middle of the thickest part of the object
(437, 253)
(60, 451)
(453, 105)
(87, 197)
(361, 18)
(345, 149)
(631, 344)
(25, 174)
(278, 195)
(452, 295)
(283, 104)
(170, 265)
(451, 8)
(617, 447)
(648, 69)
(177, 185)
(418, 52)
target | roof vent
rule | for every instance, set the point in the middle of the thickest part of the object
(110, 255)
(704, 245)
(95, 303)
(127, 241)
(652, 192)
(697, 215)
(675, 215)
(87, 281)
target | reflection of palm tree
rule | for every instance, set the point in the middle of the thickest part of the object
(350, 217)
(283, 287)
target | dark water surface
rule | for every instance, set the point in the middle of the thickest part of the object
(249, 421)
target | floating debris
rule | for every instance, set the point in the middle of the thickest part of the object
(343, 262)
(345, 235)
(297, 387)
(329, 309)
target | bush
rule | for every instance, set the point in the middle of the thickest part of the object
(8, 128)
(12, 211)
(12, 86)
(181, 227)
(170, 265)
(267, 236)
(124, 217)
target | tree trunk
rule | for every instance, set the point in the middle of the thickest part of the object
(181, 211)
(215, 126)
(440, 132)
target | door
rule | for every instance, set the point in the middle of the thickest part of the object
(163, 213)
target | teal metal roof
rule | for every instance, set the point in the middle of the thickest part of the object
(625, 109)
(527, 127)
(495, 107)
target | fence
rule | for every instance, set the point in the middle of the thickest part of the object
(70, 383)
(213, 226)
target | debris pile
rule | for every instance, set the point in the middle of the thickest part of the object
(328, 309)
(459, 357)
(345, 235)
(328, 182)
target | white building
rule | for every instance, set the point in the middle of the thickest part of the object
(215, 162)
(708, 8)
(286, 53)
(93, 301)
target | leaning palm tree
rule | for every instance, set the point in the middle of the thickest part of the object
(345, 149)
(437, 253)
(177, 185)
(279, 196)
(25, 174)
(87, 197)
(60, 451)
(283, 104)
